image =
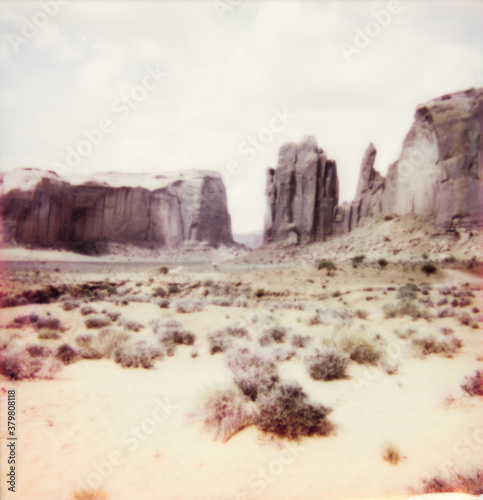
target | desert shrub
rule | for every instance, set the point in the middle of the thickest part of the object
(404, 334)
(222, 301)
(283, 353)
(328, 265)
(300, 341)
(163, 270)
(171, 333)
(358, 259)
(429, 268)
(445, 290)
(17, 364)
(140, 354)
(66, 354)
(25, 320)
(88, 349)
(48, 322)
(88, 309)
(447, 312)
(330, 316)
(442, 302)
(222, 339)
(90, 494)
(69, 305)
(159, 292)
(360, 350)
(259, 293)
(286, 412)
(113, 315)
(327, 365)
(362, 314)
(48, 334)
(273, 334)
(130, 324)
(254, 371)
(382, 263)
(474, 384)
(38, 351)
(405, 307)
(390, 367)
(465, 319)
(97, 321)
(189, 305)
(107, 341)
(425, 346)
(224, 413)
(241, 302)
(408, 291)
(173, 289)
(391, 454)
(163, 303)
(464, 483)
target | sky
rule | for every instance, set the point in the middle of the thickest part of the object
(89, 86)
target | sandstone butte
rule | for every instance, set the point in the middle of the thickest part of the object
(438, 175)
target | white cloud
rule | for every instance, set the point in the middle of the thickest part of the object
(225, 79)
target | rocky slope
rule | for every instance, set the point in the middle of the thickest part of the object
(438, 175)
(40, 208)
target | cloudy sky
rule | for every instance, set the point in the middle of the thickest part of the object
(162, 85)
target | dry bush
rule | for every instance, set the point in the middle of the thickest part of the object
(404, 334)
(391, 454)
(362, 314)
(447, 312)
(425, 346)
(254, 370)
(222, 339)
(130, 324)
(163, 303)
(66, 354)
(405, 307)
(18, 364)
(327, 365)
(474, 384)
(408, 291)
(88, 309)
(171, 333)
(222, 301)
(69, 305)
(330, 316)
(273, 334)
(106, 342)
(225, 413)
(89, 494)
(49, 323)
(113, 315)
(241, 302)
(139, 354)
(471, 484)
(48, 334)
(300, 341)
(189, 305)
(360, 350)
(97, 321)
(159, 292)
(286, 412)
(88, 349)
(38, 351)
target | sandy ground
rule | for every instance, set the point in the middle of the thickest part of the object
(126, 430)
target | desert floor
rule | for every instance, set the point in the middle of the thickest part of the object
(125, 432)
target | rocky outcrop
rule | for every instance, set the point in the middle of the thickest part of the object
(439, 175)
(302, 193)
(439, 172)
(42, 209)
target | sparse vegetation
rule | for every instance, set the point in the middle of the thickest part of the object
(327, 365)
(163, 270)
(328, 265)
(97, 321)
(382, 263)
(405, 307)
(358, 259)
(474, 384)
(408, 291)
(427, 345)
(273, 334)
(286, 412)
(189, 305)
(464, 483)
(140, 354)
(428, 268)
(66, 354)
(391, 454)
(18, 364)
(90, 494)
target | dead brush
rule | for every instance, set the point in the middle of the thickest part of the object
(474, 384)
(222, 339)
(327, 365)
(286, 412)
(224, 413)
(139, 354)
(425, 346)
(18, 364)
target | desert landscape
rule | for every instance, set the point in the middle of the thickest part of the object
(240, 250)
(341, 359)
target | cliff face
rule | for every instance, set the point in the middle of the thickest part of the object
(40, 208)
(439, 174)
(302, 193)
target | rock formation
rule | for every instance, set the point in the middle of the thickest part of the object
(439, 174)
(302, 193)
(42, 209)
